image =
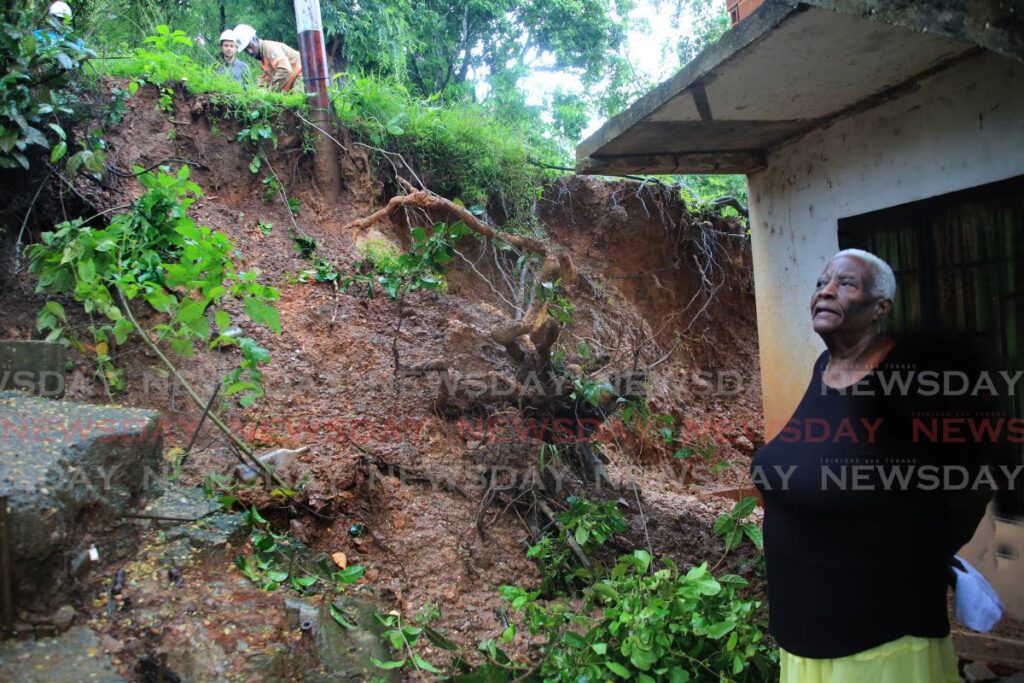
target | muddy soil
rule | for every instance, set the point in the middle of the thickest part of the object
(661, 291)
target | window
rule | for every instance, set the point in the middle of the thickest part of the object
(959, 264)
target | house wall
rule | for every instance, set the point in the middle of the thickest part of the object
(960, 128)
(738, 10)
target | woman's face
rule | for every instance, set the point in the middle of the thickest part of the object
(842, 300)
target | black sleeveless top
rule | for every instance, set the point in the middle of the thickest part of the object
(858, 532)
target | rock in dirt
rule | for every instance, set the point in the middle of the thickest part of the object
(71, 658)
(193, 655)
(331, 653)
(744, 444)
(978, 672)
(181, 501)
(111, 645)
(210, 526)
(59, 459)
(64, 617)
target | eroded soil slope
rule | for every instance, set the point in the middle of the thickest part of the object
(661, 293)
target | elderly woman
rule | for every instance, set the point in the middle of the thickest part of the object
(858, 534)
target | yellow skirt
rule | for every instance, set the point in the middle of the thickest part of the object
(905, 660)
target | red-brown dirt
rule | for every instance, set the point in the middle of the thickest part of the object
(331, 384)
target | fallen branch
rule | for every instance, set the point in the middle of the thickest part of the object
(238, 443)
(424, 199)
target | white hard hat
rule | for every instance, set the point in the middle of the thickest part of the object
(227, 35)
(244, 35)
(60, 9)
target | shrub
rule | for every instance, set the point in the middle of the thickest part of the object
(464, 150)
(35, 68)
(648, 625)
(156, 253)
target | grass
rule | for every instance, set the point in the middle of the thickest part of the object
(461, 150)
(164, 67)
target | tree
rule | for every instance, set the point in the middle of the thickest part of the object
(435, 45)
(708, 20)
(444, 43)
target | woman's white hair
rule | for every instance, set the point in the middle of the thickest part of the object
(883, 280)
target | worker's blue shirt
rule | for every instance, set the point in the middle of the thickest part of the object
(50, 38)
(238, 70)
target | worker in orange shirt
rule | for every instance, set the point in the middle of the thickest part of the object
(282, 65)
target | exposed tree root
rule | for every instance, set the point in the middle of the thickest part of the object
(428, 201)
(528, 340)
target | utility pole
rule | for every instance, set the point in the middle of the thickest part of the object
(315, 77)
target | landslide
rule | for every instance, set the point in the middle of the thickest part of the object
(663, 293)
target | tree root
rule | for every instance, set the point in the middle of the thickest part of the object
(428, 201)
(529, 340)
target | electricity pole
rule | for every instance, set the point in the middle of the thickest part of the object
(315, 77)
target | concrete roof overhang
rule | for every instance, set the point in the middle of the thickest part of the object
(789, 68)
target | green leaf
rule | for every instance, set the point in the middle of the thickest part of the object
(160, 300)
(677, 675)
(606, 591)
(718, 630)
(641, 658)
(277, 575)
(339, 617)
(262, 313)
(122, 328)
(574, 640)
(56, 309)
(723, 524)
(86, 270)
(425, 665)
(256, 516)
(223, 320)
(744, 507)
(618, 669)
(396, 664)
(599, 648)
(350, 574)
(438, 639)
(190, 310)
(754, 533)
(74, 163)
(643, 557)
(58, 152)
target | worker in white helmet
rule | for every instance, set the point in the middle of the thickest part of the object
(282, 65)
(233, 66)
(59, 22)
(61, 10)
